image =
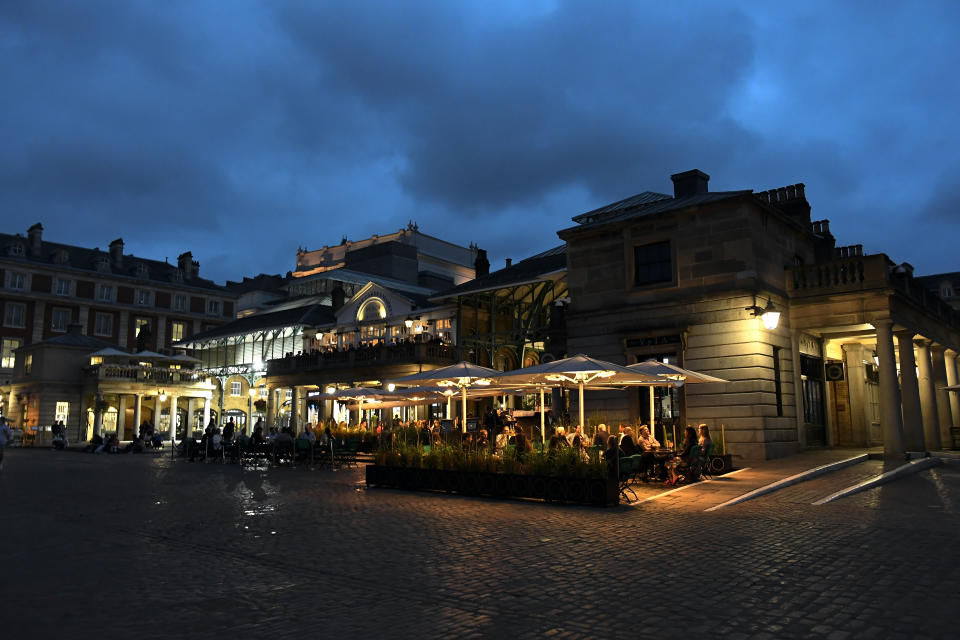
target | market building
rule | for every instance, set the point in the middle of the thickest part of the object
(859, 355)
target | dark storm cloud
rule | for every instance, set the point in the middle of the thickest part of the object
(242, 130)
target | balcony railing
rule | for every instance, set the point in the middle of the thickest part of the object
(151, 375)
(382, 355)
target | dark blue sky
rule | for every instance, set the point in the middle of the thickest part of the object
(241, 130)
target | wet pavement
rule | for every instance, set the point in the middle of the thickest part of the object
(117, 546)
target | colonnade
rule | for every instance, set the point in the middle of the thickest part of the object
(158, 404)
(916, 412)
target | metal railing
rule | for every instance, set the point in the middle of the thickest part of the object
(435, 353)
(133, 373)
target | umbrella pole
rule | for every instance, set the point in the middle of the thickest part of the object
(653, 425)
(463, 416)
(581, 405)
(449, 407)
(543, 419)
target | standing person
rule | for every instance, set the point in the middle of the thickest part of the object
(228, 430)
(5, 437)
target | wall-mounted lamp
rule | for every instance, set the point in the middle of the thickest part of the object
(163, 396)
(253, 391)
(391, 387)
(769, 314)
(408, 322)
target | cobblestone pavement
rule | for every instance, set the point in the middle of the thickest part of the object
(130, 546)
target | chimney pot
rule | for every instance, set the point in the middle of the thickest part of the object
(481, 266)
(35, 233)
(689, 183)
(116, 253)
(509, 263)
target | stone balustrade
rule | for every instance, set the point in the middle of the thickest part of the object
(432, 353)
(134, 373)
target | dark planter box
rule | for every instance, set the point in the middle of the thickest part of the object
(596, 491)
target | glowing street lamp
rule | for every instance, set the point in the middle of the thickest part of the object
(768, 315)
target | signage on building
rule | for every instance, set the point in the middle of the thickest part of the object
(833, 371)
(652, 341)
(810, 346)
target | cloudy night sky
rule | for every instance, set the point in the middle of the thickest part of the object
(241, 130)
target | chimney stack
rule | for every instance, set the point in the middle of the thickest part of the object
(481, 266)
(689, 183)
(509, 263)
(187, 265)
(116, 253)
(35, 233)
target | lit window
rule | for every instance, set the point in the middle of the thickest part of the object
(176, 331)
(16, 281)
(141, 324)
(14, 315)
(61, 287)
(179, 302)
(105, 293)
(263, 391)
(235, 388)
(8, 356)
(94, 360)
(652, 264)
(103, 324)
(62, 412)
(59, 319)
(142, 297)
(289, 394)
(213, 307)
(27, 364)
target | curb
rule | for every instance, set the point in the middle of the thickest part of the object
(792, 480)
(910, 468)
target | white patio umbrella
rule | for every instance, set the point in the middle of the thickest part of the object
(360, 394)
(579, 370)
(461, 375)
(674, 374)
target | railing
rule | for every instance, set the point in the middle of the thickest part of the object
(133, 373)
(434, 353)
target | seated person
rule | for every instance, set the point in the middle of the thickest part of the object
(522, 446)
(627, 444)
(647, 444)
(482, 440)
(559, 439)
(704, 440)
(601, 437)
(612, 455)
(689, 441)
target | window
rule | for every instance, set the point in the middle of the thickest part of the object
(27, 364)
(213, 307)
(16, 281)
(289, 394)
(59, 319)
(103, 324)
(652, 264)
(61, 286)
(95, 360)
(946, 290)
(179, 302)
(62, 412)
(263, 391)
(235, 389)
(16, 249)
(140, 324)
(176, 331)
(105, 293)
(9, 346)
(142, 271)
(14, 315)
(142, 297)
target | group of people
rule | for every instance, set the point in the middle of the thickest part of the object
(215, 441)
(646, 445)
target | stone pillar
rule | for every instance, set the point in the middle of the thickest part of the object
(295, 409)
(910, 392)
(191, 409)
(271, 407)
(855, 374)
(121, 416)
(98, 414)
(950, 357)
(928, 396)
(206, 413)
(157, 408)
(173, 418)
(250, 412)
(137, 413)
(944, 418)
(891, 421)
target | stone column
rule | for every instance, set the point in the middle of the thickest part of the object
(295, 409)
(944, 418)
(206, 413)
(250, 412)
(191, 409)
(891, 421)
(859, 435)
(173, 418)
(928, 397)
(950, 357)
(157, 408)
(98, 414)
(121, 416)
(910, 391)
(137, 413)
(271, 407)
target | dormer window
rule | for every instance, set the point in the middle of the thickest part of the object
(946, 290)
(102, 264)
(62, 256)
(142, 271)
(16, 249)
(176, 276)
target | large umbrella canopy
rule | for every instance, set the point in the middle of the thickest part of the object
(461, 375)
(673, 372)
(107, 352)
(150, 355)
(580, 370)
